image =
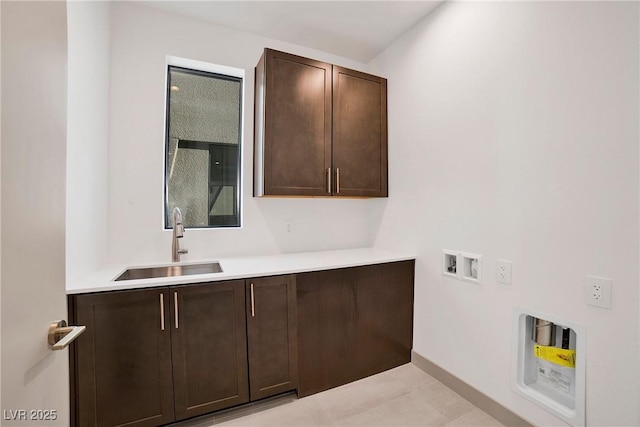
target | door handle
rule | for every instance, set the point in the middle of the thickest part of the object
(60, 335)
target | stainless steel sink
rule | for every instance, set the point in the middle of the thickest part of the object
(169, 271)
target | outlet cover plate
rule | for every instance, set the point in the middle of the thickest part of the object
(503, 271)
(597, 291)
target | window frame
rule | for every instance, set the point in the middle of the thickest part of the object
(207, 70)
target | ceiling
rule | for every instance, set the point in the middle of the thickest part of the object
(357, 30)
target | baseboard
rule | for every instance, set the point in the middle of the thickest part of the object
(474, 396)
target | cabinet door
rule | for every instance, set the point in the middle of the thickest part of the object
(272, 335)
(385, 316)
(326, 329)
(359, 133)
(208, 332)
(295, 137)
(352, 323)
(123, 360)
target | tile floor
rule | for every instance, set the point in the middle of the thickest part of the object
(404, 396)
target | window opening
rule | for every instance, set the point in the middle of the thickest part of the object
(203, 137)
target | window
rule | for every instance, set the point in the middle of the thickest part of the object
(202, 170)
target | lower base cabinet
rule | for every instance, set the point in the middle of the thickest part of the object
(352, 323)
(150, 357)
(153, 356)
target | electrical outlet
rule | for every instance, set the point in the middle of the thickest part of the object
(598, 291)
(503, 271)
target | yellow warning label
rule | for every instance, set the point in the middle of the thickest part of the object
(556, 355)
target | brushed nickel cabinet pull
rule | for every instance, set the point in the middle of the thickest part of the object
(337, 180)
(175, 304)
(329, 180)
(253, 303)
(162, 312)
(60, 335)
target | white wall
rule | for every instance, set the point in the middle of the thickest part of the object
(87, 137)
(141, 37)
(513, 130)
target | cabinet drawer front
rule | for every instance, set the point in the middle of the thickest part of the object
(123, 359)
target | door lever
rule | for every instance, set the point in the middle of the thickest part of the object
(60, 335)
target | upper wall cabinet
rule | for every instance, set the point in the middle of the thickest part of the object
(321, 130)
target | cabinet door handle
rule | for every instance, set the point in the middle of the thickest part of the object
(253, 303)
(329, 180)
(337, 180)
(175, 306)
(162, 311)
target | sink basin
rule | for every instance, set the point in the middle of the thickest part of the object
(169, 271)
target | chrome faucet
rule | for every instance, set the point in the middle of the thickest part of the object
(178, 233)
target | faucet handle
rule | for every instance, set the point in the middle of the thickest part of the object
(183, 251)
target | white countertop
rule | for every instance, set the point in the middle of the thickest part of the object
(241, 268)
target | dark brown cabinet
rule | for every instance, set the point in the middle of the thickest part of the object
(272, 335)
(321, 130)
(123, 371)
(353, 323)
(154, 356)
(150, 357)
(209, 347)
(293, 125)
(359, 133)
